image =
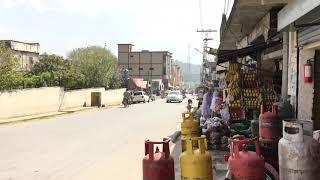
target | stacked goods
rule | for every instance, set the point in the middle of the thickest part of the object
(233, 89)
(217, 132)
(268, 95)
(235, 108)
(251, 92)
(233, 78)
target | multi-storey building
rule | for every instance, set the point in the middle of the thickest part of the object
(27, 53)
(176, 78)
(146, 65)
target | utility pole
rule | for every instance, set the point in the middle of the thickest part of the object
(206, 38)
(189, 59)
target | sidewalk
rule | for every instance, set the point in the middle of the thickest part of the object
(219, 166)
(43, 116)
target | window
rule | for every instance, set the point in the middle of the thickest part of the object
(137, 93)
(130, 68)
(30, 61)
(151, 68)
(174, 93)
(140, 68)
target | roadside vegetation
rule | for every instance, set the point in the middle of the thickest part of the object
(84, 68)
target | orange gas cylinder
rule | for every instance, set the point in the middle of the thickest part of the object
(269, 125)
(158, 165)
(245, 164)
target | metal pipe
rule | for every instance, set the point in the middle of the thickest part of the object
(297, 83)
(307, 24)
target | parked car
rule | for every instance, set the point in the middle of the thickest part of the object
(174, 96)
(140, 96)
(166, 92)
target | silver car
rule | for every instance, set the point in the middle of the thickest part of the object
(174, 96)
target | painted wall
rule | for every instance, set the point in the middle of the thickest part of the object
(79, 98)
(51, 99)
(30, 101)
(113, 97)
(305, 99)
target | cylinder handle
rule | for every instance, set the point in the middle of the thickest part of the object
(201, 143)
(238, 142)
(187, 115)
(149, 148)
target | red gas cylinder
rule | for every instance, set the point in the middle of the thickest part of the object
(158, 165)
(269, 125)
(245, 164)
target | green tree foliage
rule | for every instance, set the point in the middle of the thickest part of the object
(10, 75)
(87, 67)
(96, 64)
(72, 77)
(116, 79)
(50, 69)
(53, 70)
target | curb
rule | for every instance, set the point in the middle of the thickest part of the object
(34, 118)
(44, 116)
(175, 136)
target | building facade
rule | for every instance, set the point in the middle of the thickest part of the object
(176, 77)
(27, 53)
(282, 38)
(299, 21)
(146, 65)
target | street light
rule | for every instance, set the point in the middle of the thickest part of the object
(198, 50)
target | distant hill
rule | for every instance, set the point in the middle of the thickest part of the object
(192, 77)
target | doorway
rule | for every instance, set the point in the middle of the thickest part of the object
(316, 94)
(96, 99)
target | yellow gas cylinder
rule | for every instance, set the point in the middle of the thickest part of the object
(189, 126)
(196, 163)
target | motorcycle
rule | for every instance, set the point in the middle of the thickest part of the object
(126, 102)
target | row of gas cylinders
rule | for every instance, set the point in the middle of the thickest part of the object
(195, 160)
(298, 151)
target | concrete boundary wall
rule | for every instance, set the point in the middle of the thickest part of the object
(78, 98)
(113, 97)
(26, 102)
(18, 103)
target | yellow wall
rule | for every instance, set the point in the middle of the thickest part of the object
(51, 99)
(29, 102)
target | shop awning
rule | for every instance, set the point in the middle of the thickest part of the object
(138, 83)
(231, 55)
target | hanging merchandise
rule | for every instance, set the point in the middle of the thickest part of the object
(268, 95)
(233, 89)
(251, 93)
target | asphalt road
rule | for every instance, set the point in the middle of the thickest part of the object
(106, 144)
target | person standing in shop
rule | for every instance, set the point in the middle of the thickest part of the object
(207, 98)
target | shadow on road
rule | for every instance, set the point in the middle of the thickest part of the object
(175, 154)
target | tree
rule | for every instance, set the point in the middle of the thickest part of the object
(53, 66)
(96, 64)
(72, 77)
(116, 80)
(10, 74)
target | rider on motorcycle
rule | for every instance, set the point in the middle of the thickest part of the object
(126, 97)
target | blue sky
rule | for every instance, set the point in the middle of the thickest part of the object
(62, 25)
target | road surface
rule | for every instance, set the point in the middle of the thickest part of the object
(100, 145)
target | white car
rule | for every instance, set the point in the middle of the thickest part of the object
(174, 96)
(140, 96)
